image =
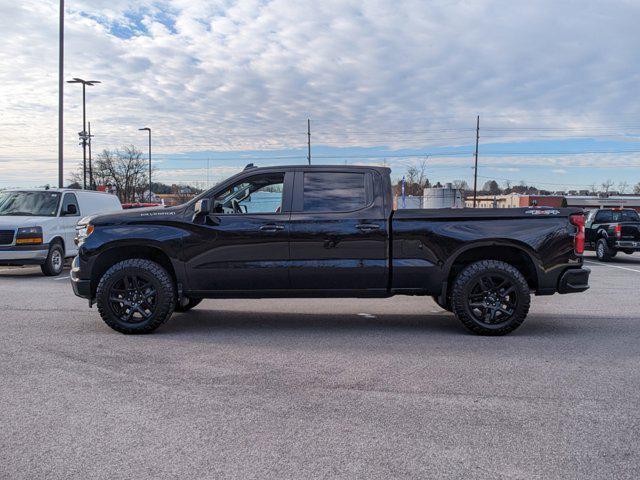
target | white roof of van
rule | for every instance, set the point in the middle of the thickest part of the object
(58, 190)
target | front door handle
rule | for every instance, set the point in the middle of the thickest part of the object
(366, 227)
(271, 227)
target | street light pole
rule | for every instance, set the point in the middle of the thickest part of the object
(475, 172)
(148, 130)
(83, 133)
(60, 95)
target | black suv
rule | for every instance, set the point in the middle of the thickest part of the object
(609, 231)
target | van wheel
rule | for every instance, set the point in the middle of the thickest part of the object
(490, 298)
(136, 296)
(54, 264)
(188, 305)
(603, 252)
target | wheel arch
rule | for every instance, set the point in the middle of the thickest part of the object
(516, 255)
(117, 253)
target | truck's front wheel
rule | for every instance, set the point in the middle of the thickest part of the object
(136, 296)
(490, 297)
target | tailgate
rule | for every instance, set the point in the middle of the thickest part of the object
(630, 231)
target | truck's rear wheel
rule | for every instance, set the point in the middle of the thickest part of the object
(54, 263)
(187, 305)
(490, 298)
(603, 252)
(136, 296)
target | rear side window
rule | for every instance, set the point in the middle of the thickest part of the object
(604, 216)
(334, 192)
(626, 216)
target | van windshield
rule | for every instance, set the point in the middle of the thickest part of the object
(37, 204)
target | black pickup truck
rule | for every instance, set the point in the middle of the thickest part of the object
(609, 231)
(324, 231)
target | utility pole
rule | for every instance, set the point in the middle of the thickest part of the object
(83, 133)
(91, 182)
(309, 141)
(149, 130)
(475, 174)
(60, 95)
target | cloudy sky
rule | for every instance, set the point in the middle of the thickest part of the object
(223, 83)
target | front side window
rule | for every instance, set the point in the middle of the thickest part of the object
(334, 192)
(259, 194)
(39, 204)
(70, 204)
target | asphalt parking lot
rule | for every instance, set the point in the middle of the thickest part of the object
(255, 389)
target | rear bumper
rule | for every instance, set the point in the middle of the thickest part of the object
(24, 255)
(574, 280)
(628, 245)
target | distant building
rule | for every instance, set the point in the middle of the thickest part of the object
(611, 201)
(514, 200)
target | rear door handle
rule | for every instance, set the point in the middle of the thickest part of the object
(271, 227)
(365, 227)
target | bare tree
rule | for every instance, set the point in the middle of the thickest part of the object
(593, 188)
(622, 186)
(460, 185)
(124, 169)
(606, 185)
(636, 188)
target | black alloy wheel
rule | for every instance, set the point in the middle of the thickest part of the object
(493, 298)
(136, 296)
(133, 298)
(490, 297)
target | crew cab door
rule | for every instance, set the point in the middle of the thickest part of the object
(243, 244)
(69, 216)
(338, 236)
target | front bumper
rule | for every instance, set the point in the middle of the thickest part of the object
(81, 287)
(24, 255)
(574, 280)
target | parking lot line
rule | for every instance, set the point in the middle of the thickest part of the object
(62, 278)
(612, 266)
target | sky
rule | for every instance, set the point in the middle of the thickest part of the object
(226, 83)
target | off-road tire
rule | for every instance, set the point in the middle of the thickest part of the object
(156, 275)
(188, 305)
(54, 264)
(447, 306)
(467, 280)
(603, 252)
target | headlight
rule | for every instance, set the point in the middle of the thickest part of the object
(82, 232)
(29, 236)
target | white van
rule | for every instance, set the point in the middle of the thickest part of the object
(38, 227)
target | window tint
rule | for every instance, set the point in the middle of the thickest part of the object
(333, 192)
(604, 216)
(70, 199)
(626, 216)
(259, 194)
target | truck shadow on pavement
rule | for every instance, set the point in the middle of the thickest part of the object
(204, 321)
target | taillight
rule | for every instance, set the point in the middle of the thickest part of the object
(578, 240)
(617, 230)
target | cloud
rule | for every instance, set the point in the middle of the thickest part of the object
(231, 76)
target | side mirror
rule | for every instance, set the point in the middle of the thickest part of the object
(70, 210)
(203, 207)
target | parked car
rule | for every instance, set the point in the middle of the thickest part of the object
(609, 231)
(38, 227)
(325, 231)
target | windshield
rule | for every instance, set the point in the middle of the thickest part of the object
(37, 204)
(626, 216)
